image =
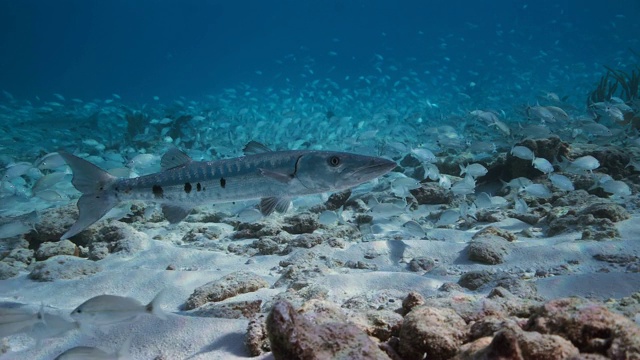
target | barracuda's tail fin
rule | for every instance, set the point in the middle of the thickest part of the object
(92, 182)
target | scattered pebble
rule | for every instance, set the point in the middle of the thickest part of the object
(228, 286)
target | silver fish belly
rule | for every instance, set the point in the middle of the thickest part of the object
(274, 177)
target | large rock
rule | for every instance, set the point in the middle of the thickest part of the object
(63, 267)
(294, 337)
(50, 249)
(590, 327)
(431, 193)
(473, 280)
(7, 271)
(435, 332)
(514, 344)
(488, 249)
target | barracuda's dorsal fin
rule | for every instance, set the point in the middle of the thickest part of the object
(174, 158)
(269, 204)
(254, 147)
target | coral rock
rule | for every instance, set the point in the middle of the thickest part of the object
(239, 282)
(63, 267)
(590, 327)
(437, 332)
(488, 249)
(50, 249)
(293, 337)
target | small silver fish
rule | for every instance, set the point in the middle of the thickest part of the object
(431, 172)
(93, 353)
(112, 309)
(464, 187)
(48, 181)
(16, 318)
(50, 161)
(483, 201)
(542, 165)
(327, 217)
(414, 229)
(474, 170)
(424, 155)
(16, 170)
(616, 188)
(535, 131)
(584, 163)
(401, 186)
(444, 182)
(448, 217)
(13, 229)
(557, 113)
(542, 113)
(52, 326)
(249, 215)
(520, 206)
(502, 127)
(522, 152)
(87, 353)
(537, 190)
(561, 182)
(516, 183)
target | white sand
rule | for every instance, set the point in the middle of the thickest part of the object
(186, 337)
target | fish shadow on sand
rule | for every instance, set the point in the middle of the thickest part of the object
(232, 343)
(397, 249)
(463, 258)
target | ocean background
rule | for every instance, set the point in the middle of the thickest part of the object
(141, 49)
(517, 182)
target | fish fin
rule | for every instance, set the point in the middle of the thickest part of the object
(269, 204)
(174, 158)
(174, 214)
(87, 178)
(278, 176)
(93, 183)
(462, 169)
(154, 306)
(92, 207)
(254, 147)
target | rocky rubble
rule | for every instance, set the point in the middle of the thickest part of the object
(461, 328)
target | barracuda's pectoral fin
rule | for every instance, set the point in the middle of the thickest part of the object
(175, 214)
(174, 158)
(270, 204)
(278, 176)
(254, 147)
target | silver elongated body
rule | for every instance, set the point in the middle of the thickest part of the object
(272, 176)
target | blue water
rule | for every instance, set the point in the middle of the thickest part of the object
(140, 49)
(434, 85)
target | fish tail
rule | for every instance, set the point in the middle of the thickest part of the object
(154, 306)
(93, 183)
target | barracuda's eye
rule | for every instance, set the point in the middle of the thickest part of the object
(334, 161)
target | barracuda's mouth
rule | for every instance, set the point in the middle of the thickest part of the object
(364, 173)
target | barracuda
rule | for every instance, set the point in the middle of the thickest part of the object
(274, 177)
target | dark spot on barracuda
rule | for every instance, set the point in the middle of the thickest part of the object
(157, 191)
(187, 187)
(198, 187)
(223, 182)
